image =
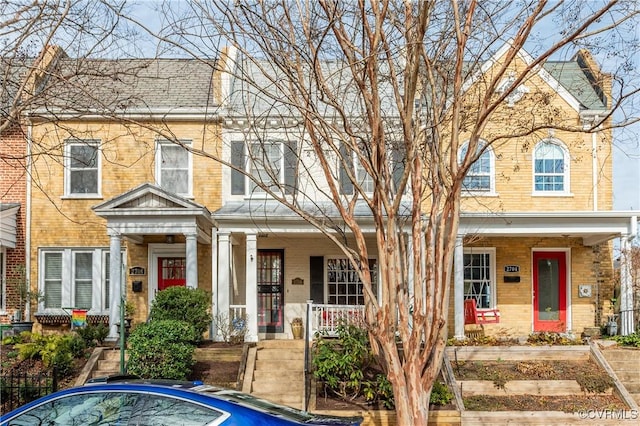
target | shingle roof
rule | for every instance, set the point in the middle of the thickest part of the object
(253, 93)
(571, 76)
(124, 85)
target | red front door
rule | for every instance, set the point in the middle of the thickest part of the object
(171, 272)
(549, 291)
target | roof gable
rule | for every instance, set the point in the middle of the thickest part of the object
(147, 197)
(541, 71)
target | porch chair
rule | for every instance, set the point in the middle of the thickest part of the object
(477, 318)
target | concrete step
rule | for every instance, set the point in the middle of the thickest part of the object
(113, 355)
(628, 376)
(275, 365)
(278, 387)
(628, 354)
(633, 387)
(281, 355)
(624, 365)
(108, 365)
(281, 344)
(282, 376)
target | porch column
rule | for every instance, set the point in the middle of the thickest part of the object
(458, 289)
(116, 287)
(626, 290)
(251, 292)
(192, 260)
(224, 274)
(214, 283)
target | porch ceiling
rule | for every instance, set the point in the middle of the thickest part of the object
(8, 222)
(593, 227)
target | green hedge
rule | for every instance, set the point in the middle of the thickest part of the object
(184, 304)
(162, 350)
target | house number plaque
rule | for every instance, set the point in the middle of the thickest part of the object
(512, 268)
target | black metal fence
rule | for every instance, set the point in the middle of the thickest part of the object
(17, 389)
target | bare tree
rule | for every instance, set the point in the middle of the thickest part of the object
(379, 93)
(382, 89)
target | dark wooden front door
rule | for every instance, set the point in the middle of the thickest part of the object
(171, 272)
(270, 291)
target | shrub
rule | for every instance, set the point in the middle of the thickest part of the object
(93, 334)
(161, 349)
(630, 340)
(54, 350)
(348, 369)
(440, 394)
(183, 304)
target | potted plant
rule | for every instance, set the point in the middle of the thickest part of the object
(21, 320)
(297, 328)
(129, 311)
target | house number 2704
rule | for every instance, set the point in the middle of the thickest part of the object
(512, 268)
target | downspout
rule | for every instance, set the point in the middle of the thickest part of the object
(594, 164)
(27, 230)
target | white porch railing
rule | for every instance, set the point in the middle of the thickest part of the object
(238, 315)
(325, 319)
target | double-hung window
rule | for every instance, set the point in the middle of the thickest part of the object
(75, 278)
(550, 168)
(174, 171)
(272, 163)
(82, 168)
(480, 277)
(479, 179)
(364, 179)
(266, 164)
(343, 283)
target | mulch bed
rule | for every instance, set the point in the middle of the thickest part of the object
(567, 404)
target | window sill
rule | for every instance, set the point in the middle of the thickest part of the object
(62, 319)
(82, 197)
(487, 194)
(551, 194)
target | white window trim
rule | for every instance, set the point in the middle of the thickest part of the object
(491, 251)
(492, 173)
(67, 168)
(158, 163)
(68, 279)
(258, 192)
(567, 171)
(326, 277)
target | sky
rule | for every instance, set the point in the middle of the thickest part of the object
(626, 149)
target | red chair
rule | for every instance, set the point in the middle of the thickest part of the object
(484, 316)
(477, 319)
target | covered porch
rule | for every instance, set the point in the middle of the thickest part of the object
(574, 236)
(156, 224)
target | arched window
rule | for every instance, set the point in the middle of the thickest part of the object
(550, 167)
(480, 177)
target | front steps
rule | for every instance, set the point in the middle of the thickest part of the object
(275, 371)
(625, 362)
(108, 364)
